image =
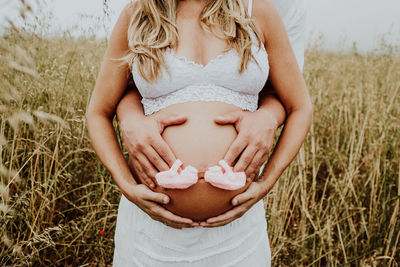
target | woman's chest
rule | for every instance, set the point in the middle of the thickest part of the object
(197, 44)
(222, 70)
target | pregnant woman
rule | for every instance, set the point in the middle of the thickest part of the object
(176, 72)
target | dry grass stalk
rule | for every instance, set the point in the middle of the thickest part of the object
(337, 204)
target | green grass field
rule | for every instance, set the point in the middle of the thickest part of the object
(336, 205)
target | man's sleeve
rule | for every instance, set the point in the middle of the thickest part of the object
(296, 27)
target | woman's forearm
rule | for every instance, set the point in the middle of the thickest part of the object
(292, 137)
(105, 144)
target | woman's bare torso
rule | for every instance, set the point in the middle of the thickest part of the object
(201, 143)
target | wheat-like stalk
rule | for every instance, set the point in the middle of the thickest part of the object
(337, 204)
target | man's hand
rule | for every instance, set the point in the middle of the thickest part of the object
(150, 201)
(148, 151)
(242, 202)
(255, 138)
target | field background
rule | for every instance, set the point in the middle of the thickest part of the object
(336, 205)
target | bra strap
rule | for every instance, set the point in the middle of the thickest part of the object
(250, 7)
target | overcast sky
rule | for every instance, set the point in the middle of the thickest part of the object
(340, 22)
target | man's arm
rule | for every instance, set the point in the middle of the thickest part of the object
(255, 138)
(142, 135)
(130, 106)
(268, 101)
(256, 132)
(142, 138)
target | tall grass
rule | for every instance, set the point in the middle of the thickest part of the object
(337, 204)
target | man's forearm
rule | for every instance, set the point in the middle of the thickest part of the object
(269, 101)
(130, 106)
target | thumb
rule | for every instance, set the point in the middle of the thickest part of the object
(245, 196)
(241, 198)
(229, 118)
(157, 197)
(171, 119)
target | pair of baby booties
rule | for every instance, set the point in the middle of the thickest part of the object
(224, 178)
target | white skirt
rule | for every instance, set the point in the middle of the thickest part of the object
(142, 241)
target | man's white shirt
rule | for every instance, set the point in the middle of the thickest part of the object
(294, 15)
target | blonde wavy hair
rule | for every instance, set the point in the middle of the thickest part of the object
(153, 28)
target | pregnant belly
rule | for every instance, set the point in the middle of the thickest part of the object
(200, 143)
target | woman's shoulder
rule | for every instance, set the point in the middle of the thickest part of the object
(129, 10)
(264, 11)
(122, 24)
(118, 43)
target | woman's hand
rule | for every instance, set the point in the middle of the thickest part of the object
(150, 202)
(242, 202)
(148, 151)
(256, 131)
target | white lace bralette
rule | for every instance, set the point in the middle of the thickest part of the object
(218, 80)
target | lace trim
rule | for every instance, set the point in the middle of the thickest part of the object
(201, 92)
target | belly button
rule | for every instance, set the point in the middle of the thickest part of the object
(200, 175)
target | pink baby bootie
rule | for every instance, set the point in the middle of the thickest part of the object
(224, 177)
(176, 178)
